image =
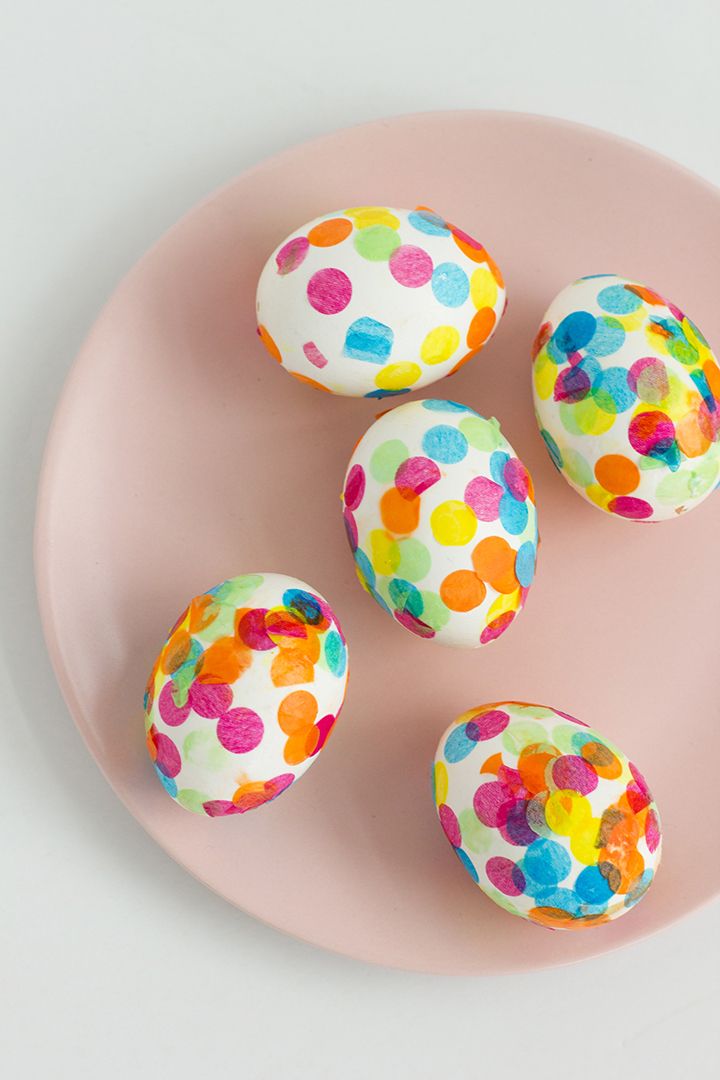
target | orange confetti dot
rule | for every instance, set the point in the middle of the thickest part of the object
(310, 382)
(290, 668)
(399, 514)
(329, 233)
(481, 328)
(692, 439)
(712, 374)
(462, 590)
(224, 661)
(617, 474)
(463, 360)
(494, 562)
(297, 711)
(269, 344)
(176, 651)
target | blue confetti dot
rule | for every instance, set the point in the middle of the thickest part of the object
(457, 745)
(444, 444)
(552, 448)
(365, 567)
(406, 597)
(386, 393)
(303, 604)
(498, 461)
(513, 514)
(592, 887)
(574, 332)
(450, 285)
(611, 391)
(167, 782)
(618, 300)
(564, 899)
(440, 405)
(608, 337)
(546, 862)
(368, 339)
(639, 889)
(335, 653)
(525, 564)
(467, 863)
(427, 222)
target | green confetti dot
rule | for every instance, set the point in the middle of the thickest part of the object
(577, 468)
(415, 559)
(481, 433)
(192, 800)
(435, 614)
(386, 460)
(202, 749)
(475, 836)
(376, 242)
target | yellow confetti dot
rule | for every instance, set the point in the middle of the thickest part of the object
(397, 376)
(384, 552)
(439, 345)
(453, 523)
(483, 288)
(504, 602)
(545, 374)
(441, 782)
(566, 812)
(598, 495)
(364, 216)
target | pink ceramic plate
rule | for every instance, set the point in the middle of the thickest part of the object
(181, 455)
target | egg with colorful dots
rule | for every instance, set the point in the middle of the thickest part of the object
(374, 301)
(627, 396)
(245, 693)
(440, 516)
(547, 816)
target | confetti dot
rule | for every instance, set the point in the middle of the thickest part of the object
(397, 376)
(377, 242)
(439, 345)
(411, 266)
(329, 291)
(453, 523)
(370, 340)
(462, 590)
(445, 444)
(240, 730)
(291, 255)
(450, 285)
(330, 232)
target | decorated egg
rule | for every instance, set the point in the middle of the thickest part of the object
(372, 301)
(440, 517)
(627, 396)
(244, 693)
(547, 816)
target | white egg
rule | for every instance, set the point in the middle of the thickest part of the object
(372, 301)
(441, 519)
(627, 396)
(244, 693)
(548, 817)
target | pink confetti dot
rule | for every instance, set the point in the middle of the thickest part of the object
(169, 711)
(292, 254)
(411, 266)
(416, 475)
(483, 497)
(240, 730)
(450, 825)
(210, 699)
(313, 354)
(505, 876)
(329, 291)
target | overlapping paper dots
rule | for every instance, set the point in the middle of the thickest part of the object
(551, 820)
(373, 301)
(441, 520)
(244, 693)
(627, 396)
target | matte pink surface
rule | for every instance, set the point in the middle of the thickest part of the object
(181, 454)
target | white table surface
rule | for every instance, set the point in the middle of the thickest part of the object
(116, 117)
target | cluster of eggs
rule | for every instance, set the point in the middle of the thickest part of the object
(549, 819)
